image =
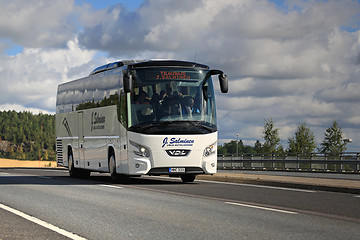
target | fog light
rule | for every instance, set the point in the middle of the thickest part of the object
(137, 165)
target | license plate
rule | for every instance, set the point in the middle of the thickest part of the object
(176, 170)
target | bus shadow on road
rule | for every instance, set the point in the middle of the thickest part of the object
(17, 178)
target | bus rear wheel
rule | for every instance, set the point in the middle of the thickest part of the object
(112, 168)
(73, 172)
(76, 172)
(187, 178)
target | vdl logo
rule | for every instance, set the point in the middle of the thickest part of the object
(178, 152)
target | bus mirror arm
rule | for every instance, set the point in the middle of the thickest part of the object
(128, 82)
(223, 79)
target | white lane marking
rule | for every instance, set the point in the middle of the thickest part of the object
(263, 208)
(42, 223)
(260, 186)
(15, 175)
(55, 170)
(110, 186)
(25, 169)
(42, 169)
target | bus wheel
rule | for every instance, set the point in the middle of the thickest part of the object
(72, 170)
(112, 168)
(188, 178)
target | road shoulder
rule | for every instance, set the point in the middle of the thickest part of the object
(324, 184)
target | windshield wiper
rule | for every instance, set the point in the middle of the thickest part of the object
(175, 127)
(201, 124)
(144, 127)
(189, 124)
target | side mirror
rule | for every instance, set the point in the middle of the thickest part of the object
(223, 79)
(128, 83)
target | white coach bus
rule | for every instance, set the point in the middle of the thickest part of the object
(136, 118)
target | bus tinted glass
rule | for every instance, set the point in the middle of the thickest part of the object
(97, 90)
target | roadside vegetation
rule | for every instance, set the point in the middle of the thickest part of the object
(24, 135)
(303, 142)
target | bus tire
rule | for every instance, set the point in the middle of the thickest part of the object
(73, 172)
(112, 167)
(187, 178)
(76, 172)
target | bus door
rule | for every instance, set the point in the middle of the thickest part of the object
(123, 113)
(81, 140)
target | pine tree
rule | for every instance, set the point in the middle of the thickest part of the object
(258, 146)
(303, 141)
(271, 137)
(333, 141)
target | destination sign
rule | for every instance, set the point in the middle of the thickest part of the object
(171, 75)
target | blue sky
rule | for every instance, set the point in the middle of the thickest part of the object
(292, 62)
(13, 48)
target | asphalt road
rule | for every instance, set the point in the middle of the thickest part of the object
(54, 206)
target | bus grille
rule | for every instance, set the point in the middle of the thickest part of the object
(59, 151)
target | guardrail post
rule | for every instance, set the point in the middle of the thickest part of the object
(231, 162)
(325, 158)
(223, 157)
(298, 162)
(341, 165)
(272, 160)
(242, 162)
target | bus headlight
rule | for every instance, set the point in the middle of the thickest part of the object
(141, 150)
(209, 150)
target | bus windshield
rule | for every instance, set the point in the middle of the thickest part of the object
(172, 100)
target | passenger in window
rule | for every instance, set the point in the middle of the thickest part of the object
(197, 103)
(166, 101)
(162, 95)
(188, 107)
(142, 98)
(155, 102)
(175, 103)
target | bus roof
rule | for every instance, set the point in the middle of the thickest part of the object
(167, 63)
(144, 64)
(113, 65)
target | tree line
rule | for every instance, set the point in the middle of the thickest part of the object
(24, 135)
(303, 141)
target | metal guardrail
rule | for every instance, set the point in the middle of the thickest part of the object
(344, 162)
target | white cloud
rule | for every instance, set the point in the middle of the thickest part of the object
(30, 78)
(37, 23)
(295, 64)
